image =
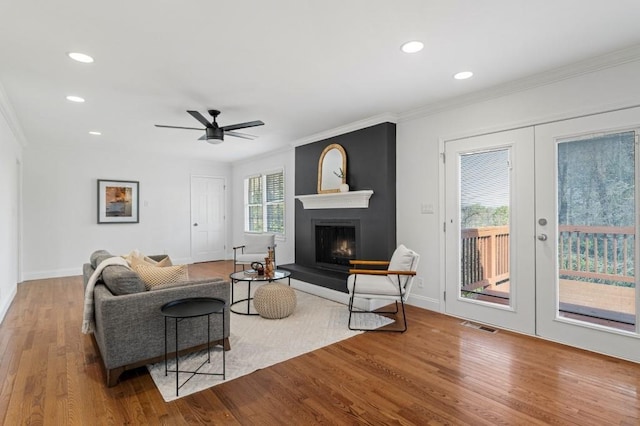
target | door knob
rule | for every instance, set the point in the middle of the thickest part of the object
(195, 224)
(542, 237)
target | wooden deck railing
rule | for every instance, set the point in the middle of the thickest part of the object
(485, 256)
(597, 252)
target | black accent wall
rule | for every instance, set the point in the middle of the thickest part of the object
(371, 164)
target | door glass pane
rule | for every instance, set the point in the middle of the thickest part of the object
(596, 230)
(484, 225)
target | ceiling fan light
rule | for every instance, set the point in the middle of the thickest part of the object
(214, 141)
(214, 133)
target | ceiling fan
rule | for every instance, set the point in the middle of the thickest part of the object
(214, 133)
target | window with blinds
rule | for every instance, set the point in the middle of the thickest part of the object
(264, 203)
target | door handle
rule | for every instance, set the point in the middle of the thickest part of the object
(195, 224)
(542, 237)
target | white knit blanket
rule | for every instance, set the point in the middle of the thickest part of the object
(88, 319)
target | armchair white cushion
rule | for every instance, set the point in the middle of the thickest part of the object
(254, 249)
(393, 283)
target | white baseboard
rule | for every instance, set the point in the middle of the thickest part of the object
(6, 303)
(424, 302)
(53, 273)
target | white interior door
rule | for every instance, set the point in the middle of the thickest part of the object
(587, 219)
(207, 219)
(489, 229)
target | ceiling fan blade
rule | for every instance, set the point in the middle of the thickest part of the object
(178, 127)
(242, 125)
(203, 137)
(240, 135)
(200, 118)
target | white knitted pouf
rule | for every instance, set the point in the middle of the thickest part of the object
(274, 300)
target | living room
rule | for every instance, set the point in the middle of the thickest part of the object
(48, 226)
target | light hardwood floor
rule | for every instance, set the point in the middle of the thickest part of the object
(437, 373)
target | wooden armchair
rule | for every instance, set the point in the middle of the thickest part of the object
(393, 283)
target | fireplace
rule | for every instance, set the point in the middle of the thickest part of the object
(371, 153)
(335, 243)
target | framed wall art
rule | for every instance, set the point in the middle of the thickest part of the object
(118, 201)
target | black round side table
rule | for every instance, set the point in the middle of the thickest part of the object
(191, 308)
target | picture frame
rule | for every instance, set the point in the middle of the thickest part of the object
(118, 201)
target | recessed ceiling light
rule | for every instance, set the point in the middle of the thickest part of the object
(412, 46)
(75, 98)
(463, 75)
(93, 132)
(80, 57)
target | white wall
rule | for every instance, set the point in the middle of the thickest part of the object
(419, 179)
(60, 206)
(282, 159)
(10, 159)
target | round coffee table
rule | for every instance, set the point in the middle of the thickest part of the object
(250, 276)
(191, 308)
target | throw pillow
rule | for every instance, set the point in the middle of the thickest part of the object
(165, 261)
(153, 276)
(98, 256)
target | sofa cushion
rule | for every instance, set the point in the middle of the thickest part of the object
(98, 256)
(165, 261)
(122, 280)
(135, 258)
(153, 276)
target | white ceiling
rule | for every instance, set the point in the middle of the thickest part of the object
(301, 66)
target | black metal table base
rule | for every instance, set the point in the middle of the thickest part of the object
(177, 370)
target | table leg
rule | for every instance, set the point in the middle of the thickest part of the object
(224, 369)
(249, 298)
(177, 367)
(209, 338)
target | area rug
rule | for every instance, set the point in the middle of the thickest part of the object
(258, 343)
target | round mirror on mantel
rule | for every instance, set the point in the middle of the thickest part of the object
(332, 169)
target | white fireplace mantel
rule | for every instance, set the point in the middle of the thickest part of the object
(337, 200)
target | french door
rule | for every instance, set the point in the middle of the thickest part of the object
(489, 229)
(540, 231)
(587, 220)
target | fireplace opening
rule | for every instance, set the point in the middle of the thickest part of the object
(335, 245)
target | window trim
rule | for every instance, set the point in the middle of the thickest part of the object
(263, 182)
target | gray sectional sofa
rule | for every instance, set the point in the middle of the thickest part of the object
(129, 327)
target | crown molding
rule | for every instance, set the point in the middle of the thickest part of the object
(576, 69)
(263, 155)
(351, 127)
(10, 117)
